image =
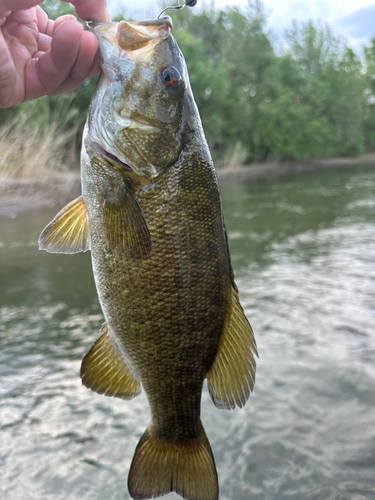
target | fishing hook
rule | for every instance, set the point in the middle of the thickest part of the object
(189, 3)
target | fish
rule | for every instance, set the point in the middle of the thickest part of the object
(151, 215)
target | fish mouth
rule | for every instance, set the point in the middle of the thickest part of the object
(137, 40)
(106, 155)
(105, 145)
(125, 167)
(151, 171)
(129, 123)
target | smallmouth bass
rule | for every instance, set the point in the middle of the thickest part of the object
(150, 212)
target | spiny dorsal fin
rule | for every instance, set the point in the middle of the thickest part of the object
(69, 232)
(126, 225)
(232, 375)
(103, 370)
(160, 466)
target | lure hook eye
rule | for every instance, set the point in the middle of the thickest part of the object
(189, 3)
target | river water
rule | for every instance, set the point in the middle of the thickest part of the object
(303, 251)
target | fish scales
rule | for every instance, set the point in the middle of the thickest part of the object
(190, 254)
(150, 212)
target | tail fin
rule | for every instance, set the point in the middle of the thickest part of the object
(160, 466)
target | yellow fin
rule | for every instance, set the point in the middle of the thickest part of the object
(126, 225)
(103, 370)
(160, 466)
(69, 232)
(232, 375)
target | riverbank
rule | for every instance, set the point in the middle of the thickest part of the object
(272, 169)
(19, 195)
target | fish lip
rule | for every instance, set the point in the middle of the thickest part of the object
(150, 32)
(131, 123)
(110, 153)
(125, 167)
(91, 24)
(106, 155)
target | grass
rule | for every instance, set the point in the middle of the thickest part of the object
(234, 158)
(39, 143)
(39, 157)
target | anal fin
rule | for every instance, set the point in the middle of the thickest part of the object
(69, 232)
(103, 370)
(232, 375)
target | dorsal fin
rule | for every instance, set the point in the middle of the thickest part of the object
(104, 370)
(232, 375)
(69, 232)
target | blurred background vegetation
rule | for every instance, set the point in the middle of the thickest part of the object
(308, 95)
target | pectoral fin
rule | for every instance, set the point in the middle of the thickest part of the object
(103, 370)
(232, 375)
(126, 225)
(69, 232)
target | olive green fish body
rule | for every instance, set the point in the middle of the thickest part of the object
(167, 311)
(150, 212)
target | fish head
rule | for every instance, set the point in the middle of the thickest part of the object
(136, 112)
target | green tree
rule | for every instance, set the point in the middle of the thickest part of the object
(369, 84)
(238, 57)
(332, 88)
(210, 85)
(56, 8)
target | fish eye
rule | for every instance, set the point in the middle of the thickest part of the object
(170, 76)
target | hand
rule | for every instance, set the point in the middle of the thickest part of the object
(39, 56)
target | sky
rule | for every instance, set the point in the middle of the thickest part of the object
(354, 20)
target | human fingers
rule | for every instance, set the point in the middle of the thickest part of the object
(46, 29)
(63, 19)
(85, 64)
(13, 5)
(7, 74)
(44, 43)
(53, 25)
(89, 41)
(91, 9)
(42, 20)
(46, 74)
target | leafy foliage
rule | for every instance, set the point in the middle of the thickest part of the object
(307, 102)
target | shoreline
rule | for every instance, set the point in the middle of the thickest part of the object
(19, 195)
(274, 169)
